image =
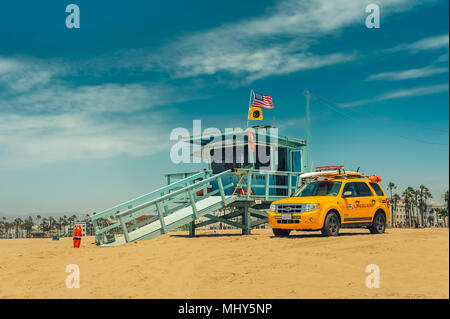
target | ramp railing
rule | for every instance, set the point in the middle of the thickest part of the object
(106, 222)
(172, 200)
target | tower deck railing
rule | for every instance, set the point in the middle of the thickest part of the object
(291, 186)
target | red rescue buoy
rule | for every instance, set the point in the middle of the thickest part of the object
(77, 237)
(251, 141)
(374, 178)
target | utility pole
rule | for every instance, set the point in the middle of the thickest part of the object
(307, 150)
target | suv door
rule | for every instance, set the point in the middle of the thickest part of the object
(366, 201)
(351, 203)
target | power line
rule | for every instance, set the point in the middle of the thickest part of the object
(324, 102)
(376, 116)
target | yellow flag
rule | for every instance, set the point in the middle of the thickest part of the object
(255, 113)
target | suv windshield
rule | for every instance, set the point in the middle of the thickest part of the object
(322, 188)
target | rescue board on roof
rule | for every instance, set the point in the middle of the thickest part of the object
(331, 171)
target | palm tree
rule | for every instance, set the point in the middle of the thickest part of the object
(18, 224)
(38, 219)
(395, 199)
(60, 224)
(446, 198)
(4, 223)
(65, 223)
(391, 187)
(408, 194)
(43, 225)
(74, 219)
(51, 224)
(28, 225)
(424, 194)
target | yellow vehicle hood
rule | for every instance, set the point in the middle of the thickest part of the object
(305, 200)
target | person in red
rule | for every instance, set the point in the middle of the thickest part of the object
(77, 237)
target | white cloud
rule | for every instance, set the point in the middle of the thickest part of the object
(47, 120)
(104, 98)
(22, 74)
(31, 140)
(442, 58)
(431, 43)
(416, 91)
(278, 42)
(404, 93)
(61, 123)
(409, 74)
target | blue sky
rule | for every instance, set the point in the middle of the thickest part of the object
(85, 114)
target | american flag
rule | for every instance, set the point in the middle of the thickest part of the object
(262, 100)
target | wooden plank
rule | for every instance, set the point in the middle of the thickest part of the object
(161, 217)
(124, 230)
(193, 205)
(225, 221)
(259, 222)
(227, 216)
(258, 213)
(249, 185)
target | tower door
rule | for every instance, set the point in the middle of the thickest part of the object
(282, 166)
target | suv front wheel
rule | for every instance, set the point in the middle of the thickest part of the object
(331, 225)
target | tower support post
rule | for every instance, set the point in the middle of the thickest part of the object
(246, 221)
(192, 229)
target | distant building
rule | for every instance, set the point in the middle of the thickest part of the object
(437, 221)
(86, 229)
(400, 218)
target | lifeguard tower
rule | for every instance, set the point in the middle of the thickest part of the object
(247, 169)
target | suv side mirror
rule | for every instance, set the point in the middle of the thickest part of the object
(347, 194)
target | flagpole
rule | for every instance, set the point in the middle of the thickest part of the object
(249, 103)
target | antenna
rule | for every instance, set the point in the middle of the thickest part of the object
(357, 171)
(308, 131)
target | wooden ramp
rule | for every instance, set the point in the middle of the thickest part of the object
(175, 220)
(162, 210)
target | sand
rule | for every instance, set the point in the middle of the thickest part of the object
(412, 263)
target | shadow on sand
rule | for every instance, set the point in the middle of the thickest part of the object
(291, 236)
(207, 235)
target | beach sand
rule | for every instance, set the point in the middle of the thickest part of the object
(414, 263)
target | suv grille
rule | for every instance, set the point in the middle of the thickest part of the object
(289, 208)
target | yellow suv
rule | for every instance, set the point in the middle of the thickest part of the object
(339, 200)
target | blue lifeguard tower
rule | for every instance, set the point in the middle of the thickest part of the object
(248, 169)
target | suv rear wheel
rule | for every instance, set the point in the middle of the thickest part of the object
(378, 225)
(331, 225)
(281, 232)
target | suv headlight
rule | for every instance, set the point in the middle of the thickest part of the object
(272, 208)
(311, 207)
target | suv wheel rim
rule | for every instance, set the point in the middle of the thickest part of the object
(379, 223)
(333, 224)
